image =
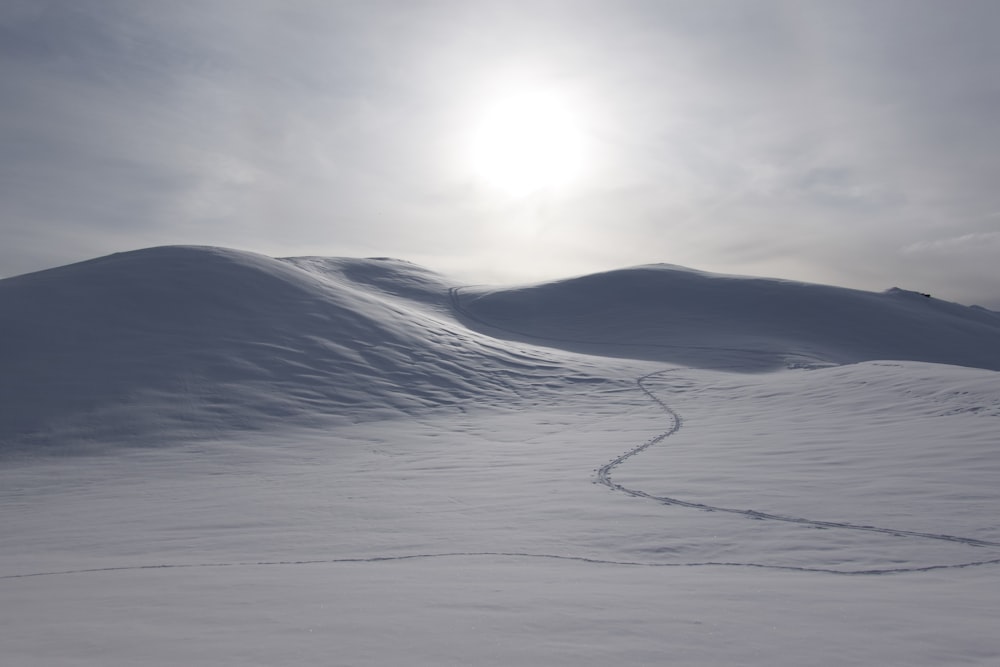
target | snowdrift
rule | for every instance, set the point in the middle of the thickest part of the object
(196, 337)
(347, 453)
(179, 338)
(671, 314)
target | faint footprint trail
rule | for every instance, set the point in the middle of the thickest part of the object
(604, 477)
(604, 472)
(486, 554)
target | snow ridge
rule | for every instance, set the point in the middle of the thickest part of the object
(197, 339)
(705, 320)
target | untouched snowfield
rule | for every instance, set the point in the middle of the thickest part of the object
(211, 457)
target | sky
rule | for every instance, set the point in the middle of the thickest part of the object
(846, 142)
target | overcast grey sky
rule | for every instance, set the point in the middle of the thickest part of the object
(853, 143)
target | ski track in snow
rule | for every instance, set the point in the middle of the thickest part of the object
(497, 554)
(603, 477)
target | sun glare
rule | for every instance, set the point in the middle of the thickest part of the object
(526, 143)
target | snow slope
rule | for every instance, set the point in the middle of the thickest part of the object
(671, 314)
(328, 466)
(197, 338)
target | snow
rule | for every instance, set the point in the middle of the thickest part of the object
(213, 457)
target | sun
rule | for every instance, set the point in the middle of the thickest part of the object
(526, 143)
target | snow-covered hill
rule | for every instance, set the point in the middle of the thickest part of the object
(198, 337)
(671, 314)
(359, 462)
(194, 338)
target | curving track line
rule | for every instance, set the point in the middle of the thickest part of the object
(492, 554)
(604, 477)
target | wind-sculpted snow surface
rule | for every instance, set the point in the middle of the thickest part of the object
(370, 465)
(604, 477)
(480, 539)
(206, 338)
(692, 318)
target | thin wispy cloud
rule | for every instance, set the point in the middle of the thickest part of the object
(827, 139)
(979, 242)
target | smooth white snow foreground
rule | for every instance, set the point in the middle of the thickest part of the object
(497, 611)
(526, 505)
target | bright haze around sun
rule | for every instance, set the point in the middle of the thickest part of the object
(850, 143)
(526, 142)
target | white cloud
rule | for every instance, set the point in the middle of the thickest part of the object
(976, 243)
(751, 138)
